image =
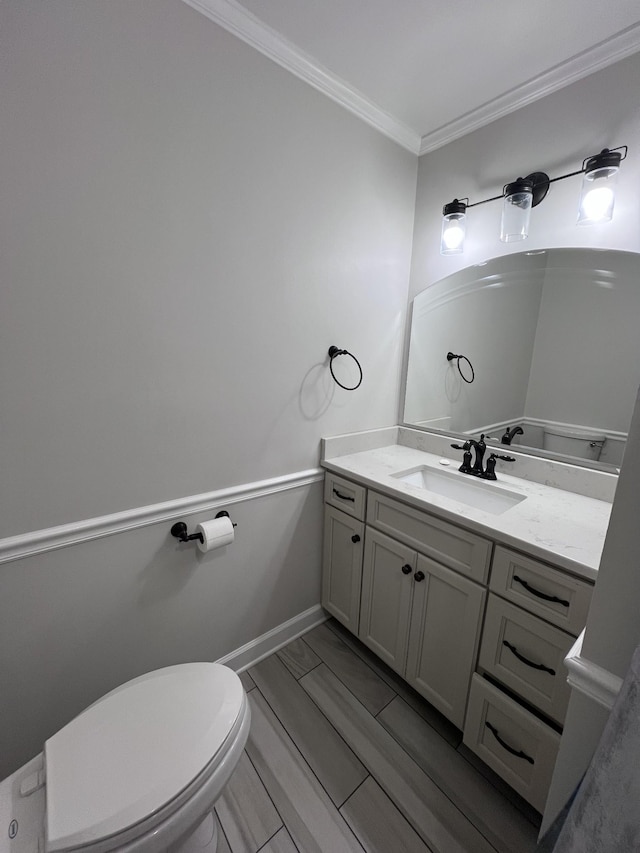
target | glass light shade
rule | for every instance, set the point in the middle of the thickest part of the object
(516, 211)
(454, 226)
(598, 195)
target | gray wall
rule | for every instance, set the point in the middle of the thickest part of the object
(581, 373)
(185, 228)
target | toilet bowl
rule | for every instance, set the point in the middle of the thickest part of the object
(138, 771)
(573, 442)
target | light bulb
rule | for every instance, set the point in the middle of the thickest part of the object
(454, 222)
(453, 236)
(596, 203)
(598, 193)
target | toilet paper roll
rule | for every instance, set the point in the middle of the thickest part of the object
(215, 533)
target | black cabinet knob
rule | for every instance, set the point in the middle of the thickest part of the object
(419, 576)
(355, 538)
(406, 569)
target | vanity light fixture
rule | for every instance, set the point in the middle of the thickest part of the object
(520, 196)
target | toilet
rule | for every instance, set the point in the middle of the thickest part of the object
(573, 442)
(138, 771)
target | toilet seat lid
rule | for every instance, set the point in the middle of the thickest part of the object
(133, 751)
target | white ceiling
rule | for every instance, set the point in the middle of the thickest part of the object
(427, 72)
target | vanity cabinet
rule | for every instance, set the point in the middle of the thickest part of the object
(481, 631)
(420, 603)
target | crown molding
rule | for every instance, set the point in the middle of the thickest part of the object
(605, 53)
(244, 25)
(241, 23)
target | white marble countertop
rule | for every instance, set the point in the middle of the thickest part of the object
(561, 527)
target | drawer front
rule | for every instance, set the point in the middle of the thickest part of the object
(450, 545)
(345, 495)
(514, 743)
(526, 654)
(550, 593)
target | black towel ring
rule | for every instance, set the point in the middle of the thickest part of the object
(451, 356)
(333, 352)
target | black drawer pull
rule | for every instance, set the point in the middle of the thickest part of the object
(343, 497)
(355, 538)
(539, 594)
(541, 666)
(406, 569)
(419, 576)
(517, 752)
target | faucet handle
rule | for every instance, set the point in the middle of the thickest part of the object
(490, 473)
(465, 468)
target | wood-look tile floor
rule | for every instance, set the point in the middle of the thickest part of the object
(344, 756)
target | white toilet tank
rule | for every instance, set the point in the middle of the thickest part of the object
(573, 442)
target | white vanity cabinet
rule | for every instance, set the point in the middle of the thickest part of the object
(480, 630)
(422, 593)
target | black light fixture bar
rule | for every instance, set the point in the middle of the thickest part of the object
(523, 194)
(542, 180)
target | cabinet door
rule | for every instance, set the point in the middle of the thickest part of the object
(445, 630)
(387, 587)
(342, 566)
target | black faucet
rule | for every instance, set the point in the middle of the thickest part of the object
(477, 470)
(510, 433)
(479, 447)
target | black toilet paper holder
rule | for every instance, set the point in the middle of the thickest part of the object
(179, 529)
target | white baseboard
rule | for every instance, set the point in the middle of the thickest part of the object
(256, 650)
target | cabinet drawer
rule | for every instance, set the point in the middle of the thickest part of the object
(518, 746)
(460, 550)
(526, 654)
(347, 496)
(557, 597)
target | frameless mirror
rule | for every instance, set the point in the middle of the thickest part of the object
(553, 342)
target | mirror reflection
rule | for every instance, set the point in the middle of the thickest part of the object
(552, 339)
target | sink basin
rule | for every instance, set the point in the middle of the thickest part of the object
(481, 494)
